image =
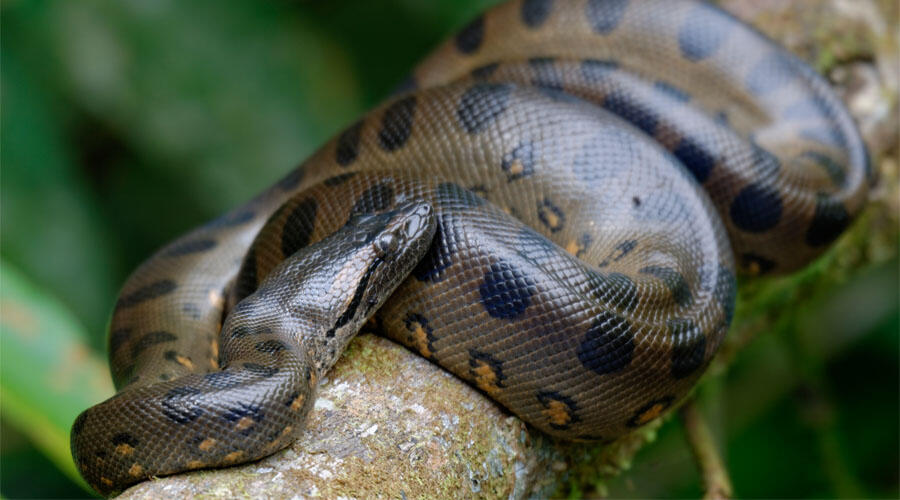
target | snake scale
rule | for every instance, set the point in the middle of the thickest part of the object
(553, 207)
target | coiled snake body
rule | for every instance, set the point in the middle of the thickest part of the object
(552, 208)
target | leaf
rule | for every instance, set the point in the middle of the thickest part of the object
(48, 374)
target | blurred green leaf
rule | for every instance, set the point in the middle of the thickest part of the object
(48, 374)
(52, 228)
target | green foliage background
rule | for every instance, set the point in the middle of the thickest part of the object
(126, 123)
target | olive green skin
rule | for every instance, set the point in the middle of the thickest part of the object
(597, 170)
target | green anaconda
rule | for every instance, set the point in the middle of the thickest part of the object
(553, 207)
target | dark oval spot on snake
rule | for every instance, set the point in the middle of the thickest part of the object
(484, 72)
(481, 104)
(608, 345)
(535, 12)
(146, 292)
(188, 247)
(703, 32)
(519, 162)
(348, 145)
(374, 199)
(672, 91)
(506, 291)
(594, 70)
(117, 338)
(270, 346)
(337, 180)
(697, 158)
(149, 340)
(604, 15)
(829, 221)
(688, 347)
(180, 406)
(771, 73)
(242, 331)
(545, 74)
(757, 208)
(632, 111)
(222, 380)
(298, 226)
(124, 438)
(396, 124)
(469, 38)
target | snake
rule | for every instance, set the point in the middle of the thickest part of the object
(554, 207)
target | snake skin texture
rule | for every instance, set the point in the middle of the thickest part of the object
(561, 194)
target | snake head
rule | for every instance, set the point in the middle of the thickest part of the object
(383, 249)
(323, 294)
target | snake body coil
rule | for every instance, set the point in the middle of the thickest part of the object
(560, 195)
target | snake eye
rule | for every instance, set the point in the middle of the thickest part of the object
(386, 244)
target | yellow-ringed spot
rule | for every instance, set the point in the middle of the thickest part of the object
(136, 470)
(244, 416)
(579, 246)
(650, 411)
(124, 444)
(297, 402)
(559, 409)
(278, 440)
(234, 456)
(181, 360)
(207, 444)
(519, 162)
(243, 424)
(124, 449)
(551, 215)
(420, 334)
(486, 372)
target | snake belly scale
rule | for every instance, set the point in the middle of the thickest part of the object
(553, 207)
